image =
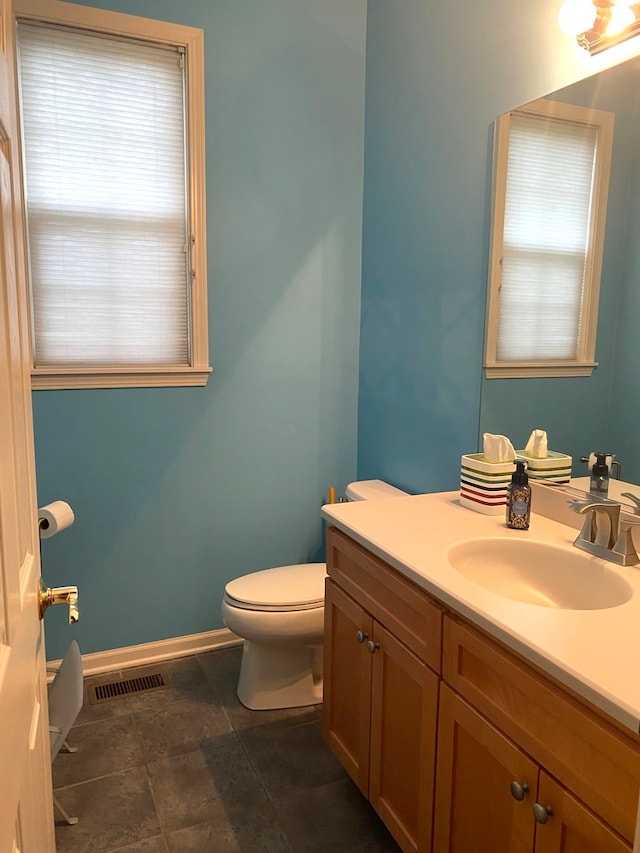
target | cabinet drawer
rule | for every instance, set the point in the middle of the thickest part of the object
(399, 605)
(592, 758)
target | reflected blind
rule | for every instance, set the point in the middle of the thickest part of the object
(103, 123)
(548, 205)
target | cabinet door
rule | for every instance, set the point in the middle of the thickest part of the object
(404, 707)
(571, 827)
(475, 808)
(346, 709)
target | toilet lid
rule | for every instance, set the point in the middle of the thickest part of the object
(299, 587)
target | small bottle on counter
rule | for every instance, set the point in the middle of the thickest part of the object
(519, 498)
(599, 476)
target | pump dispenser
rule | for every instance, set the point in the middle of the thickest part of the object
(519, 498)
(599, 476)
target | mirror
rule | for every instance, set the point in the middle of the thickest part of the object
(601, 412)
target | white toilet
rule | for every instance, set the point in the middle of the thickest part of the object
(279, 613)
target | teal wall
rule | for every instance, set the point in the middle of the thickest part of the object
(178, 490)
(437, 76)
(624, 435)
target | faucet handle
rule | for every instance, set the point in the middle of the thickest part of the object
(625, 545)
(635, 500)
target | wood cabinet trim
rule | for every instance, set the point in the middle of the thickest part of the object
(354, 756)
(402, 773)
(593, 759)
(397, 603)
(456, 717)
(572, 826)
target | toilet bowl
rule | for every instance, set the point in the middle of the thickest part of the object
(279, 614)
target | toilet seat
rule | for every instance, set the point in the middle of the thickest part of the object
(281, 589)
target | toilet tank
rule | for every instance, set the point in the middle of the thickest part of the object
(371, 490)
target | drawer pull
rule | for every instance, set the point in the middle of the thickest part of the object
(519, 790)
(542, 813)
(361, 636)
(372, 646)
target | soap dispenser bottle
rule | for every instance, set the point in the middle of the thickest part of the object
(599, 477)
(519, 498)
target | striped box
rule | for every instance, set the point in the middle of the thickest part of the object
(483, 485)
(554, 468)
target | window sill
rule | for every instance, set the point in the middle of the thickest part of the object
(60, 378)
(530, 370)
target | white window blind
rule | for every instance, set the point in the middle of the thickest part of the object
(551, 181)
(103, 121)
(549, 192)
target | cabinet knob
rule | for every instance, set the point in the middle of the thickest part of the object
(542, 813)
(519, 790)
(372, 646)
(361, 636)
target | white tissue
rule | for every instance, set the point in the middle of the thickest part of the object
(537, 445)
(497, 448)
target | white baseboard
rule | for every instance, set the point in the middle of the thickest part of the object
(96, 663)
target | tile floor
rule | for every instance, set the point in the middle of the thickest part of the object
(190, 770)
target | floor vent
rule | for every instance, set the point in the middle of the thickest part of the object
(122, 687)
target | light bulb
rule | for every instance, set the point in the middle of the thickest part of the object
(621, 18)
(576, 16)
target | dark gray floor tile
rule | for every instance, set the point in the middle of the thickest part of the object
(104, 747)
(335, 817)
(188, 681)
(222, 665)
(258, 831)
(222, 668)
(206, 784)
(150, 845)
(291, 759)
(180, 728)
(113, 811)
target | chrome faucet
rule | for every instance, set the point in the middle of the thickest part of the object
(603, 534)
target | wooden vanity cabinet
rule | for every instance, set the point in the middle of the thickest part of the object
(486, 790)
(402, 672)
(596, 763)
(380, 698)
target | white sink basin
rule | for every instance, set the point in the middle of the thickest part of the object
(540, 573)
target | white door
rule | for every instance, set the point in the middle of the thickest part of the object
(26, 809)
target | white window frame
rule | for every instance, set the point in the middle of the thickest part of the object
(191, 41)
(584, 362)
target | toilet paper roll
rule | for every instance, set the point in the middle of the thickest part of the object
(53, 518)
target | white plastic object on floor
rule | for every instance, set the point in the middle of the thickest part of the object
(65, 702)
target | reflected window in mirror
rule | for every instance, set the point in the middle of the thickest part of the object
(551, 180)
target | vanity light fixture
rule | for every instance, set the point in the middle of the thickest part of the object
(599, 24)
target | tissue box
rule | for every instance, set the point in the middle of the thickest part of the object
(555, 468)
(483, 485)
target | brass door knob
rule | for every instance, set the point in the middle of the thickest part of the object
(59, 595)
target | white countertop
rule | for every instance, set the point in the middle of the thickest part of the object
(594, 652)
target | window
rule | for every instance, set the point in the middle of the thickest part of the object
(112, 115)
(551, 176)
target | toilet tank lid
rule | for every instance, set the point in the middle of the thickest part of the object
(370, 490)
(302, 584)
